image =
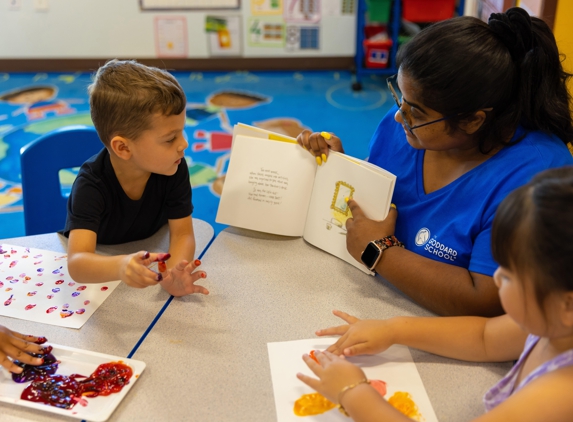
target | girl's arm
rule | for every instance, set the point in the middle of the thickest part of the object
(466, 338)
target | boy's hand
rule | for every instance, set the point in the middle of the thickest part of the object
(135, 273)
(180, 280)
(359, 337)
(18, 347)
(319, 144)
(334, 373)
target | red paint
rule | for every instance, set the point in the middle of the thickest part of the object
(51, 309)
(86, 302)
(32, 293)
(41, 340)
(56, 390)
(59, 281)
(30, 306)
(108, 378)
(80, 311)
(161, 266)
(64, 313)
(104, 288)
(81, 288)
(13, 264)
(39, 284)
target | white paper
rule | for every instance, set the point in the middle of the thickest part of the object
(35, 286)
(263, 190)
(171, 36)
(370, 187)
(394, 366)
(74, 361)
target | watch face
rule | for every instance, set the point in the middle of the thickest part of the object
(370, 255)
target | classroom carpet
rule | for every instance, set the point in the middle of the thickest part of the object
(32, 104)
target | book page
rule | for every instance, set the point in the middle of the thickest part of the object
(267, 187)
(337, 179)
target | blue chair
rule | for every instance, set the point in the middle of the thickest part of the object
(41, 160)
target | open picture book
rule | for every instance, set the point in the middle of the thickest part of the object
(274, 185)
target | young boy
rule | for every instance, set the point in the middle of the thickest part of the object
(136, 184)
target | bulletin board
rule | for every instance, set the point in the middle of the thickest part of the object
(189, 4)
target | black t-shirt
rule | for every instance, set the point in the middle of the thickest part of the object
(98, 203)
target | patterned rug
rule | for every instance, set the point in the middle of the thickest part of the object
(286, 102)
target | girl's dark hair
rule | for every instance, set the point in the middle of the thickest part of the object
(533, 230)
(511, 65)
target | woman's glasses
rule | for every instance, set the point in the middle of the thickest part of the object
(391, 81)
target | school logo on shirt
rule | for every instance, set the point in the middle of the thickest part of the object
(434, 247)
(422, 236)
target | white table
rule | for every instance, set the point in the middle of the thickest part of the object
(118, 324)
(207, 357)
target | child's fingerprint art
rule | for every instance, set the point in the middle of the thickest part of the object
(35, 286)
(316, 404)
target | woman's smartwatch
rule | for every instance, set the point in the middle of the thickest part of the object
(373, 252)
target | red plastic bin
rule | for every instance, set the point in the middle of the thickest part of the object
(377, 53)
(428, 10)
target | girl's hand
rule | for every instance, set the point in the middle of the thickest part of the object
(180, 280)
(134, 271)
(359, 337)
(16, 346)
(319, 144)
(361, 230)
(334, 373)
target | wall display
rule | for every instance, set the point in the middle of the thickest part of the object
(266, 32)
(302, 11)
(189, 4)
(267, 7)
(171, 36)
(302, 38)
(223, 35)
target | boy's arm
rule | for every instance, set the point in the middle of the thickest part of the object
(180, 278)
(181, 241)
(466, 338)
(85, 266)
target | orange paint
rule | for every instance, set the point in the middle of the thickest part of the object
(312, 404)
(403, 402)
(313, 356)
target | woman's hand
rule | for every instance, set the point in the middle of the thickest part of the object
(319, 144)
(16, 346)
(361, 230)
(359, 337)
(180, 280)
(334, 373)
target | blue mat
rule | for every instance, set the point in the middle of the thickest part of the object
(287, 102)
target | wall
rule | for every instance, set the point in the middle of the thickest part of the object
(119, 28)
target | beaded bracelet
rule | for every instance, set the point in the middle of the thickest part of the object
(344, 390)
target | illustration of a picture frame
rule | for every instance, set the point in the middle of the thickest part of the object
(342, 191)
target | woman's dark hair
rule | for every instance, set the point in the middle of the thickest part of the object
(533, 230)
(511, 65)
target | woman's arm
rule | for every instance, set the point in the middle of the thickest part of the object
(442, 288)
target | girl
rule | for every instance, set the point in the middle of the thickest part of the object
(531, 240)
(480, 108)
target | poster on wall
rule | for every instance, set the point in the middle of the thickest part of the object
(223, 35)
(265, 32)
(300, 38)
(188, 4)
(307, 11)
(267, 7)
(171, 36)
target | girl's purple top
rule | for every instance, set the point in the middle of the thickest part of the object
(506, 386)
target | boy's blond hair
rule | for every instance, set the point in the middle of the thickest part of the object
(124, 95)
